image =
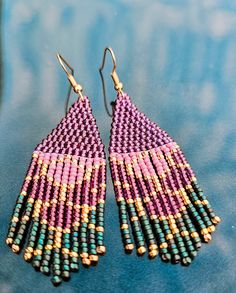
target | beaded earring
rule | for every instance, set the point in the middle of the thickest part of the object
(157, 193)
(62, 199)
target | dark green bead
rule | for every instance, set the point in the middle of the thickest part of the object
(56, 280)
(45, 270)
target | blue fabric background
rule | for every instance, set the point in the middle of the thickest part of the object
(177, 60)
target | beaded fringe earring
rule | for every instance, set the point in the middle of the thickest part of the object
(62, 199)
(156, 190)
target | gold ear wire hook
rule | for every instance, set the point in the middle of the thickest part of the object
(117, 84)
(70, 75)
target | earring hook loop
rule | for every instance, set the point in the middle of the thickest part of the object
(117, 84)
(70, 75)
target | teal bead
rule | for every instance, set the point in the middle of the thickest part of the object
(74, 259)
(56, 280)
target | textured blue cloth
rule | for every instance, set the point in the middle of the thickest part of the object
(177, 60)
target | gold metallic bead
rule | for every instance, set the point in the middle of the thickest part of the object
(194, 235)
(126, 185)
(153, 193)
(139, 207)
(172, 221)
(35, 155)
(141, 213)
(15, 248)
(23, 193)
(69, 203)
(139, 175)
(103, 185)
(205, 202)
(37, 252)
(71, 186)
(47, 204)
(96, 166)
(175, 231)
(79, 182)
(93, 258)
(57, 245)
(56, 184)
(9, 241)
(91, 226)
(211, 229)
(59, 229)
(77, 206)
(101, 249)
(124, 226)
(15, 219)
(48, 247)
(99, 229)
(36, 177)
(163, 245)
(84, 255)
(53, 201)
(74, 254)
(207, 237)
(130, 200)
(51, 228)
(29, 249)
(135, 218)
(66, 230)
(197, 202)
(28, 178)
(30, 200)
(153, 247)
(153, 253)
(43, 222)
(141, 250)
(173, 226)
(129, 247)
(94, 190)
(65, 250)
(101, 201)
(86, 261)
(204, 231)
(119, 199)
(112, 159)
(169, 236)
(27, 256)
(153, 217)
(146, 199)
(216, 220)
(184, 233)
(76, 224)
(178, 215)
(162, 218)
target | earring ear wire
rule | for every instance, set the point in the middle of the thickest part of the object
(70, 75)
(117, 84)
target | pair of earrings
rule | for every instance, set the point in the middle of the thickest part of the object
(161, 206)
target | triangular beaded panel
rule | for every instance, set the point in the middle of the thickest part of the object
(76, 134)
